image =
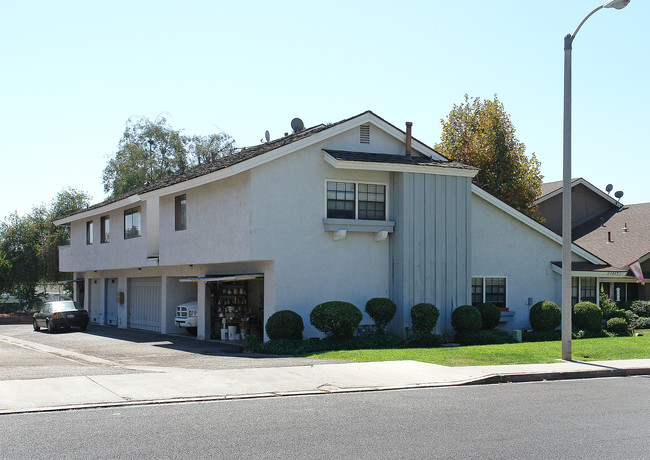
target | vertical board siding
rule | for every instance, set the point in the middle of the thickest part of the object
(430, 246)
(144, 299)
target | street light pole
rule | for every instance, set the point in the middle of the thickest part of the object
(566, 183)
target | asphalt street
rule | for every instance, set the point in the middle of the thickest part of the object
(575, 419)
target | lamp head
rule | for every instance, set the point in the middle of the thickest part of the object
(618, 4)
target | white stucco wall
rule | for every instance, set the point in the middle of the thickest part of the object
(502, 246)
(218, 224)
(288, 198)
(118, 253)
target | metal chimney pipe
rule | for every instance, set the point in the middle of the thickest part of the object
(409, 125)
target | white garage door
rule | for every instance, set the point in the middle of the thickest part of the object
(144, 296)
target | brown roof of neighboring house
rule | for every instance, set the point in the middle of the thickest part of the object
(622, 247)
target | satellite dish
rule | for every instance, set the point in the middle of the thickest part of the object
(618, 194)
(297, 125)
(267, 135)
(609, 188)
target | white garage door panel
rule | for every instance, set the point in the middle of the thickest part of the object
(144, 304)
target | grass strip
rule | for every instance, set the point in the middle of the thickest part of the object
(601, 349)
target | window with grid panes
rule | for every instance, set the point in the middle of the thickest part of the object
(372, 202)
(495, 291)
(340, 200)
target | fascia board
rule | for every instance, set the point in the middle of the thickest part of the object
(586, 274)
(392, 167)
(534, 225)
(128, 201)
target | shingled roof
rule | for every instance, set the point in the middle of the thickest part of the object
(623, 237)
(240, 156)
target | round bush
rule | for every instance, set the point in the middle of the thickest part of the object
(641, 308)
(545, 316)
(284, 324)
(424, 317)
(617, 325)
(490, 315)
(587, 316)
(381, 310)
(340, 319)
(466, 318)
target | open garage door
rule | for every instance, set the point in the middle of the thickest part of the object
(144, 296)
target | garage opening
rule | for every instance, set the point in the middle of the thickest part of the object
(235, 307)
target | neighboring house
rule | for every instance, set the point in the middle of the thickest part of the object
(346, 211)
(616, 233)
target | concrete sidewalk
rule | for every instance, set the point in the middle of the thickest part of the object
(165, 385)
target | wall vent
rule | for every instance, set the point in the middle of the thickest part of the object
(364, 134)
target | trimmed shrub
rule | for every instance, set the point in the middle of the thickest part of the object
(587, 316)
(484, 337)
(284, 324)
(381, 310)
(545, 316)
(337, 318)
(541, 336)
(424, 340)
(616, 313)
(490, 315)
(424, 317)
(641, 308)
(466, 318)
(617, 326)
(637, 322)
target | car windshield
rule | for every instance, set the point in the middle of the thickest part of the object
(65, 306)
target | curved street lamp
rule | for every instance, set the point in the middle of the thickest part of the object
(566, 184)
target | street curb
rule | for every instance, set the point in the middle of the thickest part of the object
(486, 380)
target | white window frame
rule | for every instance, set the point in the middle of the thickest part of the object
(356, 198)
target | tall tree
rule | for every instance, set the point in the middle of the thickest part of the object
(152, 150)
(29, 253)
(481, 134)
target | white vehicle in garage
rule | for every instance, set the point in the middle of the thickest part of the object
(186, 316)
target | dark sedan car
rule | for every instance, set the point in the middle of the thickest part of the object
(62, 314)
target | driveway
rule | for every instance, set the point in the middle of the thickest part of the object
(101, 350)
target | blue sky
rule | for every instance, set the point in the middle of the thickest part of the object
(74, 72)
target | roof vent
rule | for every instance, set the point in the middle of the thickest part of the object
(625, 227)
(364, 134)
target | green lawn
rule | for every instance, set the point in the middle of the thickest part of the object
(601, 349)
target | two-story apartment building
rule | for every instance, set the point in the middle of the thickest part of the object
(346, 211)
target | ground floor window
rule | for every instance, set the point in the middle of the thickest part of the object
(491, 290)
(583, 290)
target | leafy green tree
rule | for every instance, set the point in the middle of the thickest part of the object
(205, 149)
(152, 150)
(481, 134)
(29, 245)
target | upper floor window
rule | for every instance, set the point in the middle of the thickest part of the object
(132, 223)
(89, 232)
(105, 229)
(343, 201)
(491, 290)
(180, 207)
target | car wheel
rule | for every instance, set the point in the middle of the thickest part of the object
(83, 327)
(50, 328)
(36, 326)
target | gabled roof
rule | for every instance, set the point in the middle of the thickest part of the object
(551, 189)
(623, 237)
(250, 157)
